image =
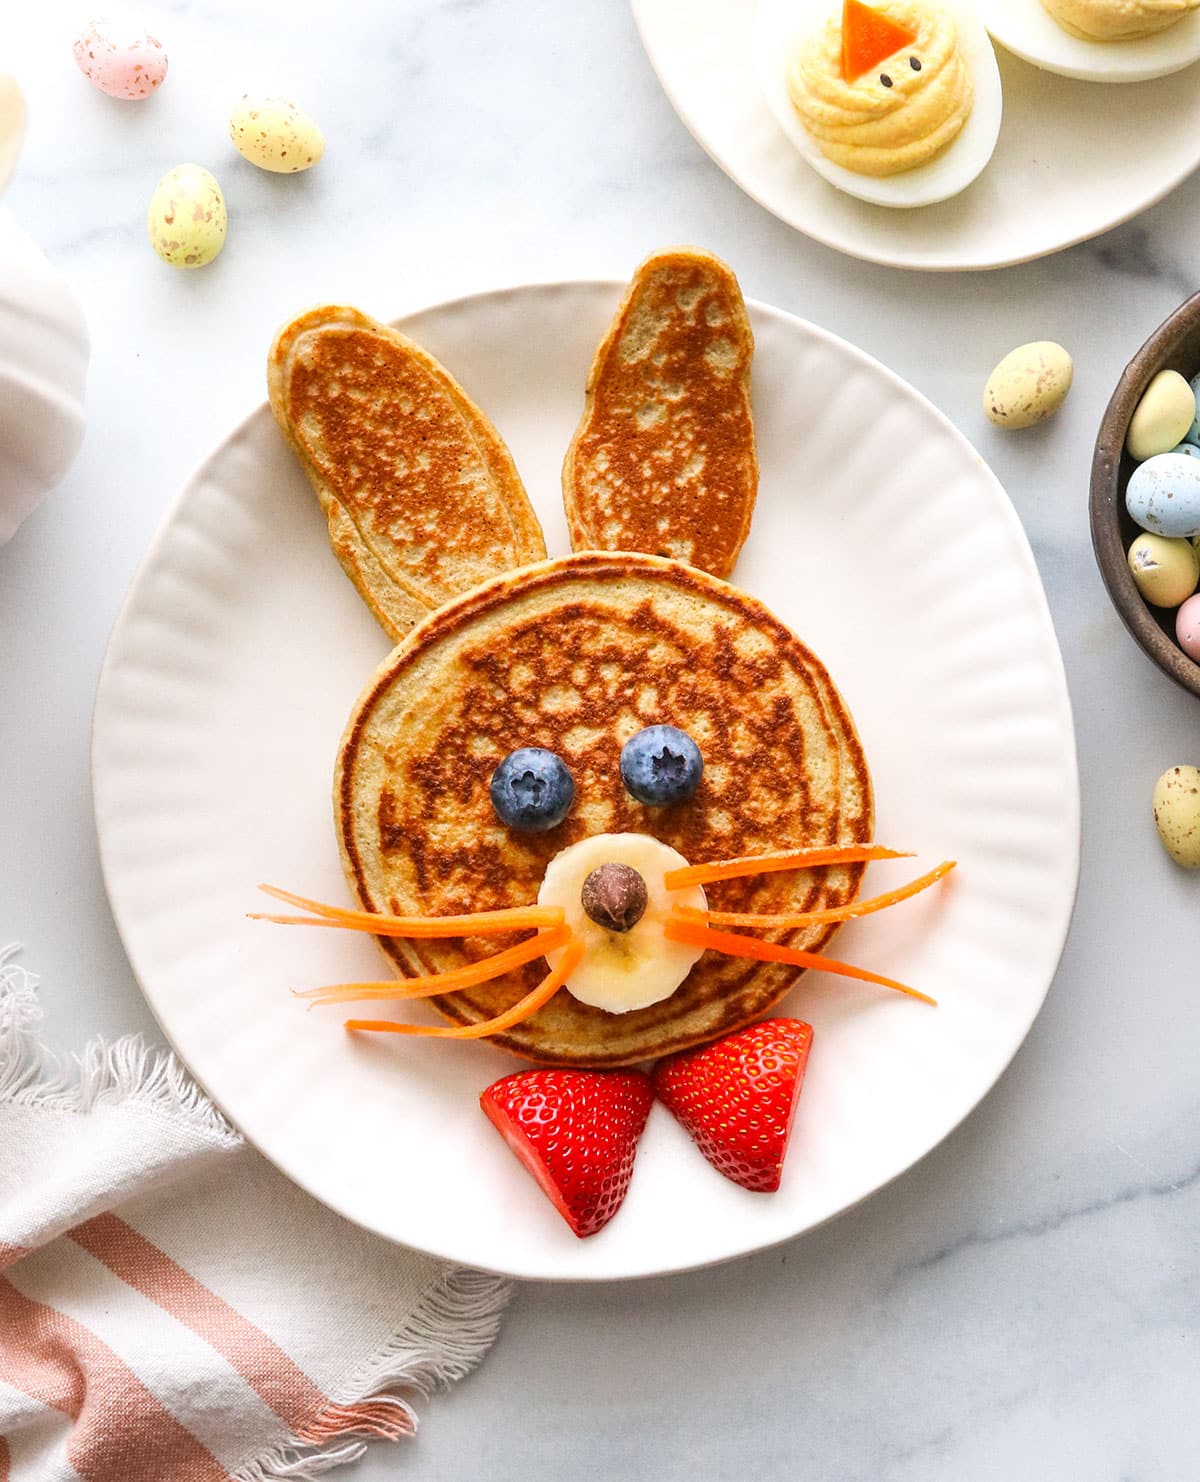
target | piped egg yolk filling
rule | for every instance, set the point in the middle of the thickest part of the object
(896, 116)
(1118, 20)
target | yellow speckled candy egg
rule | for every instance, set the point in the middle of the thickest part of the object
(186, 220)
(1177, 814)
(1029, 385)
(1163, 418)
(274, 134)
(1164, 571)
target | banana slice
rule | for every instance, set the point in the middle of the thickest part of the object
(622, 970)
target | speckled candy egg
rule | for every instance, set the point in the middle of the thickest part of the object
(186, 220)
(1187, 628)
(1029, 385)
(1162, 418)
(1164, 495)
(123, 64)
(275, 135)
(1164, 571)
(1177, 814)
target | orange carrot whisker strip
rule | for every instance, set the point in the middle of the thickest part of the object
(520, 1011)
(733, 945)
(448, 982)
(378, 923)
(815, 918)
(784, 859)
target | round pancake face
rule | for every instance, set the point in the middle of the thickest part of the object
(576, 655)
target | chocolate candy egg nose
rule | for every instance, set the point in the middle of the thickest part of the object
(614, 896)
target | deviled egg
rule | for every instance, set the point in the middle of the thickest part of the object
(1098, 40)
(897, 102)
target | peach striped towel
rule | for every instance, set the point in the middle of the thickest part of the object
(171, 1308)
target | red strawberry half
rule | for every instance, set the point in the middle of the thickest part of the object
(577, 1133)
(738, 1098)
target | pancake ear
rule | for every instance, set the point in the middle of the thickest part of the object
(395, 448)
(663, 460)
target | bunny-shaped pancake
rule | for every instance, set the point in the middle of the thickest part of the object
(580, 658)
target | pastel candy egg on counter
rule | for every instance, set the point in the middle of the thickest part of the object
(274, 134)
(121, 63)
(1187, 628)
(1164, 495)
(186, 220)
(1164, 571)
(1163, 417)
(1029, 385)
(1189, 450)
(1177, 814)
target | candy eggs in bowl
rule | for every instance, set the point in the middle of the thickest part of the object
(1137, 479)
(1098, 40)
(898, 102)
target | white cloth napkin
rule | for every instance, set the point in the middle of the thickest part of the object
(171, 1308)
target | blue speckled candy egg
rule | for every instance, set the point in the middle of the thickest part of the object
(1189, 450)
(1164, 495)
(1193, 437)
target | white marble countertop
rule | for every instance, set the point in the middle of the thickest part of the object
(1025, 1302)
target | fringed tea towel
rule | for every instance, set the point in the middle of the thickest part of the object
(171, 1308)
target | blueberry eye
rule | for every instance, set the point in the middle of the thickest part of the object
(885, 79)
(661, 765)
(915, 63)
(532, 790)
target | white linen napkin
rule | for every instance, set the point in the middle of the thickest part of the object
(172, 1309)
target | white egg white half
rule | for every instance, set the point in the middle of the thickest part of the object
(1029, 31)
(781, 25)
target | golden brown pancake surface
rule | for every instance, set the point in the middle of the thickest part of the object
(576, 655)
(663, 459)
(421, 494)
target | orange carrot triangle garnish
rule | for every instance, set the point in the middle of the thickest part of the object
(815, 918)
(520, 1011)
(783, 859)
(447, 982)
(378, 923)
(733, 945)
(868, 38)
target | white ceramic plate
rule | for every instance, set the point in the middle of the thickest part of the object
(1026, 28)
(780, 25)
(1073, 159)
(242, 647)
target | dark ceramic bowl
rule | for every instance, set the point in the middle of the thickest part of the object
(1174, 345)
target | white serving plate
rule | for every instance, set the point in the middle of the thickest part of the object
(241, 649)
(1073, 160)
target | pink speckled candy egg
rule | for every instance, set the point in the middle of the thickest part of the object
(1187, 627)
(120, 63)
